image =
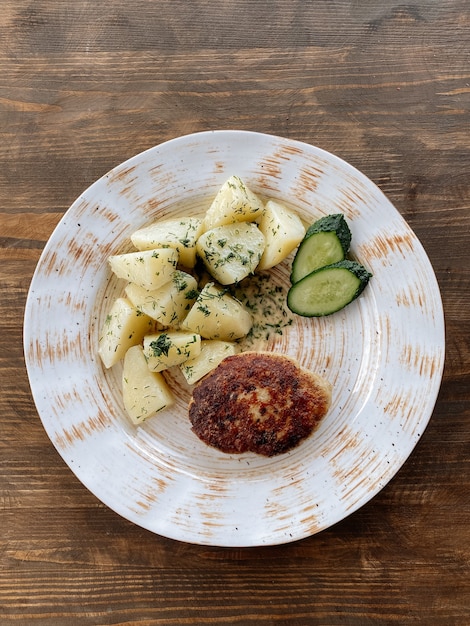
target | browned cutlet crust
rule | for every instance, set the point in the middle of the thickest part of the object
(260, 402)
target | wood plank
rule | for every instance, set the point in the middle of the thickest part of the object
(86, 85)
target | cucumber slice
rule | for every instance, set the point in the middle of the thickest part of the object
(328, 289)
(326, 242)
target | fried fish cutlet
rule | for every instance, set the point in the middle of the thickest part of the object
(260, 402)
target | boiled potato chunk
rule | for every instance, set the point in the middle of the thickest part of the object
(124, 326)
(231, 252)
(218, 315)
(212, 353)
(149, 268)
(166, 349)
(180, 233)
(169, 304)
(144, 392)
(234, 202)
(283, 231)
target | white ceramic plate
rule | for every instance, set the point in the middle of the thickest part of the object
(383, 354)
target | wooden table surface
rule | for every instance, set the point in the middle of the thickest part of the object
(382, 84)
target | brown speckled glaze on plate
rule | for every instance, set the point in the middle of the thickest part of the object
(383, 354)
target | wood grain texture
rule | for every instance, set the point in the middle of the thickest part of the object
(85, 85)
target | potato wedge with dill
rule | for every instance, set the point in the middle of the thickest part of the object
(283, 231)
(169, 304)
(234, 202)
(149, 269)
(123, 327)
(144, 392)
(213, 352)
(180, 233)
(231, 252)
(166, 349)
(218, 315)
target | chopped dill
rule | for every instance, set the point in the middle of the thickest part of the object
(180, 281)
(192, 294)
(161, 345)
(204, 309)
